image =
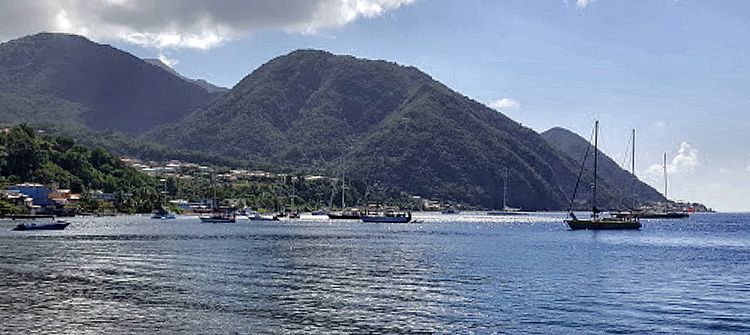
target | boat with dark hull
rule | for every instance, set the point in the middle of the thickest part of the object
(667, 215)
(597, 222)
(396, 218)
(163, 214)
(345, 215)
(602, 223)
(663, 212)
(220, 217)
(387, 216)
(57, 225)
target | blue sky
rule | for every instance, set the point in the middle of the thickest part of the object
(678, 71)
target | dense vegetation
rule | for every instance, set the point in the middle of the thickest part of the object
(68, 79)
(381, 123)
(308, 111)
(287, 193)
(150, 149)
(26, 156)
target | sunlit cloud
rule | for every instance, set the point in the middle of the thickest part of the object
(504, 104)
(194, 24)
(685, 162)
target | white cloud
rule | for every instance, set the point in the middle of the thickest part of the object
(684, 162)
(504, 104)
(659, 124)
(196, 24)
(166, 60)
(583, 3)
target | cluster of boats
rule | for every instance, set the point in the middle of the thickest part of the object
(379, 213)
(225, 216)
(619, 220)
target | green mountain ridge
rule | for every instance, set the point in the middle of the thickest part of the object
(310, 110)
(383, 123)
(68, 79)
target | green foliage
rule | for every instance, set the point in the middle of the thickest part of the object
(27, 157)
(8, 208)
(67, 79)
(381, 123)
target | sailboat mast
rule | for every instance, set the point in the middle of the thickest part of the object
(505, 189)
(666, 182)
(213, 189)
(596, 163)
(632, 162)
(343, 191)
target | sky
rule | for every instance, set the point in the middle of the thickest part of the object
(678, 71)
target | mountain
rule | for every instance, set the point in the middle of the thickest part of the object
(210, 88)
(575, 147)
(382, 123)
(67, 79)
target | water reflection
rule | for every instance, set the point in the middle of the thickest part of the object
(468, 273)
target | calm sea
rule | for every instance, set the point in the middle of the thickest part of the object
(465, 273)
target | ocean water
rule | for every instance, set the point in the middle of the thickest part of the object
(466, 273)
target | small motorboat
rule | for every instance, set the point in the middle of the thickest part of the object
(55, 225)
(163, 214)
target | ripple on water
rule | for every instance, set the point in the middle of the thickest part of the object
(451, 274)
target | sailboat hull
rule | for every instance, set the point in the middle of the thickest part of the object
(344, 216)
(669, 215)
(603, 224)
(386, 219)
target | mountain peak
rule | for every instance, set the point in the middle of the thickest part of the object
(95, 84)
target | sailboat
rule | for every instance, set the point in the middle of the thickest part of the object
(344, 214)
(218, 216)
(665, 213)
(597, 222)
(507, 211)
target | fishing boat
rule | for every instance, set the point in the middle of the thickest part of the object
(506, 211)
(387, 216)
(344, 214)
(597, 222)
(55, 225)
